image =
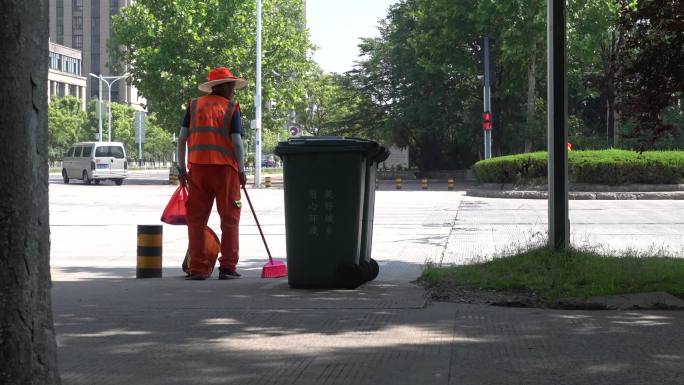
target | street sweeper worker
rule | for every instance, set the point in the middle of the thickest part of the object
(212, 132)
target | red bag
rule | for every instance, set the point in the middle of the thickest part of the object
(175, 212)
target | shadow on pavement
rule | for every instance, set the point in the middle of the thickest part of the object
(117, 330)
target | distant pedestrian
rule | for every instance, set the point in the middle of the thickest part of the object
(212, 130)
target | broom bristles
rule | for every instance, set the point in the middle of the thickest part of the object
(275, 269)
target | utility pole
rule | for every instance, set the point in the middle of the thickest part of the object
(487, 101)
(257, 102)
(559, 222)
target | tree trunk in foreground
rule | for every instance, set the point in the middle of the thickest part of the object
(28, 353)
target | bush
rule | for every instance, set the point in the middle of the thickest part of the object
(611, 167)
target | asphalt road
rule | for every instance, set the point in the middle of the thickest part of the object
(95, 226)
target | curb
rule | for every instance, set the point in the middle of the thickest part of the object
(578, 195)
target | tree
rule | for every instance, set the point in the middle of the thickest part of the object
(422, 75)
(335, 106)
(27, 339)
(172, 45)
(650, 66)
(66, 125)
(158, 143)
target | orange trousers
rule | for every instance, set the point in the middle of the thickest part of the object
(206, 183)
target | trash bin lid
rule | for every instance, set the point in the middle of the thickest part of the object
(317, 144)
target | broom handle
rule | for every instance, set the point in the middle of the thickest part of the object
(257, 222)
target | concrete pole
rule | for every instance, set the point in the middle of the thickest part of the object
(257, 101)
(559, 222)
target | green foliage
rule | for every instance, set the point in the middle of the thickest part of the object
(649, 68)
(66, 125)
(512, 168)
(158, 142)
(333, 106)
(171, 46)
(421, 74)
(611, 167)
(563, 274)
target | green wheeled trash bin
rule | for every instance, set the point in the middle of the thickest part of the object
(325, 182)
(378, 154)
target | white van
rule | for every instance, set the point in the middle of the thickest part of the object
(95, 161)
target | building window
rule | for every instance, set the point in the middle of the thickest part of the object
(72, 90)
(95, 63)
(78, 22)
(95, 36)
(60, 21)
(113, 7)
(94, 89)
(60, 31)
(95, 29)
(78, 41)
(77, 5)
(54, 61)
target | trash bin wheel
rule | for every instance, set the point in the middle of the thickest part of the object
(375, 269)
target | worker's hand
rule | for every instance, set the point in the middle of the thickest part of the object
(243, 178)
(182, 176)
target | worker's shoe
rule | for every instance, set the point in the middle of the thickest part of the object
(196, 277)
(228, 274)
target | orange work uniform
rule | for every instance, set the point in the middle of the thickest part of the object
(213, 174)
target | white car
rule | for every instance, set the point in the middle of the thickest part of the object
(95, 161)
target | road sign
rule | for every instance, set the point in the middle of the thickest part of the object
(294, 130)
(139, 127)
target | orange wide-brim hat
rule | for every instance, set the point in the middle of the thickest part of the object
(219, 76)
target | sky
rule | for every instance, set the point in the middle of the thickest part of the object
(337, 25)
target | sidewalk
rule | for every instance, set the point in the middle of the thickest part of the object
(581, 191)
(112, 329)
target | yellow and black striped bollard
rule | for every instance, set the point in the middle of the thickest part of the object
(267, 181)
(450, 183)
(424, 184)
(397, 183)
(149, 263)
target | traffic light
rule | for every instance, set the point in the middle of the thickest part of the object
(487, 123)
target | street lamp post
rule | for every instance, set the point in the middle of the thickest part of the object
(109, 80)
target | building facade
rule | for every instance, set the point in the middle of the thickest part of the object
(86, 25)
(65, 75)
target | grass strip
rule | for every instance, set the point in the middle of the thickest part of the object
(566, 274)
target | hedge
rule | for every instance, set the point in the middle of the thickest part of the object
(611, 167)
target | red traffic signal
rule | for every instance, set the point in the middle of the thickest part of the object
(487, 123)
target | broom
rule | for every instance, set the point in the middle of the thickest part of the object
(272, 269)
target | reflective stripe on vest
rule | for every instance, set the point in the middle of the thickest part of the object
(209, 140)
(212, 147)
